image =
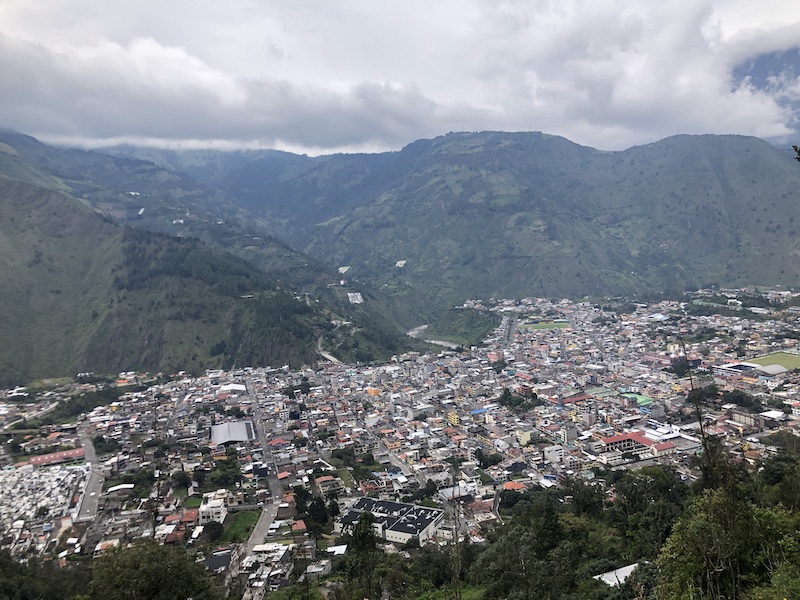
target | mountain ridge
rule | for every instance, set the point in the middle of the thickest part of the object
(537, 214)
(143, 195)
(465, 215)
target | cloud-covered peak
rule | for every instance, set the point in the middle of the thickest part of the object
(321, 77)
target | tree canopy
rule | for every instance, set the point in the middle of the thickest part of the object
(148, 571)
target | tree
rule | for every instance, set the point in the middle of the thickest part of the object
(742, 399)
(181, 479)
(487, 460)
(514, 567)
(649, 529)
(214, 530)
(199, 475)
(105, 445)
(702, 394)
(301, 498)
(363, 558)
(148, 571)
(498, 365)
(723, 544)
(587, 499)
(39, 579)
(679, 365)
(317, 510)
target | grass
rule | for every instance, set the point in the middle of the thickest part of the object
(544, 325)
(192, 502)
(784, 359)
(463, 326)
(486, 479)
(467, 593)
(43, 385)
(109, 483)
(347, 478)
(429, 503)
(241, 526)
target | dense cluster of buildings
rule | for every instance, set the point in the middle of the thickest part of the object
(561, 389)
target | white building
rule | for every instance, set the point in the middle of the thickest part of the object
(214, 507)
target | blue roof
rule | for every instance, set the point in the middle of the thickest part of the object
(478, 411)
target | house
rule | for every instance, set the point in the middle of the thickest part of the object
(329, 484)
(393, 521)
(214, 507)
(319, 569)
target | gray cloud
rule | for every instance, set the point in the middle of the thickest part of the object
(320, 76)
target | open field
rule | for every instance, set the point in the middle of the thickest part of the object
(243, 523)
(545, 325)
(193, 502)
(784, 359)
(346, 477)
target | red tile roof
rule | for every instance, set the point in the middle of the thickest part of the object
(56, 457)
(299, 525)
(514, 485)
(636, 436)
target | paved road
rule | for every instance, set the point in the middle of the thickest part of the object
(326, 355)
(35, 415)
(270, 509)
(266, 450)
(259, 533)
(94, 485)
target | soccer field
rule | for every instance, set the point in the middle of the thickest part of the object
(784, 359)
(544, 325)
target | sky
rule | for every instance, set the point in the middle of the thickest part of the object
(327, 76)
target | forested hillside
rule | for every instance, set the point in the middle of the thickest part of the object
(83, 294)
(75, 282)
(515, 214)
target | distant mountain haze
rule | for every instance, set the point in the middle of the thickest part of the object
(516, 214)
(81, 293)
(414, 232)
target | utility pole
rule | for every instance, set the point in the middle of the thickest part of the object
(455, 549)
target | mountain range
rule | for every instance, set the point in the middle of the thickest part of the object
(113, 264)
(164, 259)
(515, 214)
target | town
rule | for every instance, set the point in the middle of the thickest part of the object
(266, 470)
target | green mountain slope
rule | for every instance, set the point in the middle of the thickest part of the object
(83, 294)
(512, 214)
(153, 197)
(465, 215)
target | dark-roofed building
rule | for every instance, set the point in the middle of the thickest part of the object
(219, 561)
(394, 521)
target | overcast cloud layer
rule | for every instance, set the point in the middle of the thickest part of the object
(367, 75)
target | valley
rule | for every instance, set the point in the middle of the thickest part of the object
(573, 416)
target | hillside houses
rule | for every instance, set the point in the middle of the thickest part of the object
(560, 390)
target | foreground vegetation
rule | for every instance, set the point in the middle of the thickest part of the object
(733, 534)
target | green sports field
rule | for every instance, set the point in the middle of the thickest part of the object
(784, 359)
(544, 325)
